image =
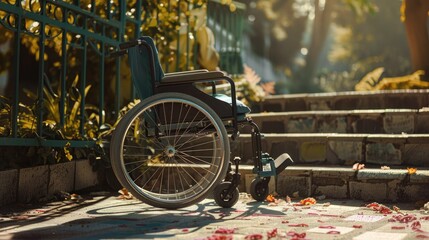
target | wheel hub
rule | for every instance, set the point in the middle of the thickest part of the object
(170, 151)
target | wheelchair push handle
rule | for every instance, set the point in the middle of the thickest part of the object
(124, 46)
(130, 44)
(118, 53)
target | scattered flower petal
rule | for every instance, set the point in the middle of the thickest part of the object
(403, 218)
(379, 208)
(272, 233)
(396, 209)
(76, 197)
(327, 227)
(358, 166)
(20, 217)
(219, 237)
(422, 236)
(125, 194)
(225, 231)
(296, 235)
(411, 171)
(270, 198)
(255, 236)
(298, 225)
(308, 201)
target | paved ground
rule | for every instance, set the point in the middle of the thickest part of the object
(104, 216)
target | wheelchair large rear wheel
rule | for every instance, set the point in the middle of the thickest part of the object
(170, 150)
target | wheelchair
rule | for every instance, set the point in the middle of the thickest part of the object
(172, 149)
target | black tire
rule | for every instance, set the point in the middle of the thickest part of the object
(170, 150)
(259, 189)
(221, 196)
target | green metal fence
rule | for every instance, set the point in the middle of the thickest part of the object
(83, 32)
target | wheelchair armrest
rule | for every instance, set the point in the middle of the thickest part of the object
(186, 72)
(192, 76)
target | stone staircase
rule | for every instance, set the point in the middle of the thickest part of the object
(327, 133)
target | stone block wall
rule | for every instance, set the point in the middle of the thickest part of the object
(31, 184)
(343, 149)
(344, 183)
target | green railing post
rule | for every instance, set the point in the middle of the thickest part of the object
(102, 87)
(63, 79)
(82, 26)
(82, 78)
(16, 70)
(42, 39)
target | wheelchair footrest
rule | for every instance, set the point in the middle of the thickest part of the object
(271, 167)
(282, 162)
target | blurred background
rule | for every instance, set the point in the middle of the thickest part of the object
(327, 45)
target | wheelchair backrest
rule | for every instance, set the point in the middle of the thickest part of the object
(146, 70)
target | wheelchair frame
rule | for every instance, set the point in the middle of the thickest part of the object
(212, 119)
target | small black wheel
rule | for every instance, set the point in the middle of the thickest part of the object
(221, 196)
(259, 189)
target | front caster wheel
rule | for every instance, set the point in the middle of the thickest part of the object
(221, 196)
(259, 189)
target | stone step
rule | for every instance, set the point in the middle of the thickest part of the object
(344, 121)
(403, 150)
(345, 183)
(410, 98)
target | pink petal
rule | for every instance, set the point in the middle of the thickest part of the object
(225, 231)
(298, 225)
(255, 236)
(327, 227)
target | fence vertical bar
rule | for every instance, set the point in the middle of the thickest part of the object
(92, 6)
(42, 38)
(101, 73)
(138, 18)
(16, 68)
(187, 36)
(178, 39)
(122, 19)
(63, 93)
(82, 79)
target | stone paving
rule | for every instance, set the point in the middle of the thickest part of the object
(103, 215)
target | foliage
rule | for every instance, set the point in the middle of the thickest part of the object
(250, 89)
(363, 47)
(375, 80)
(72, 118)
(26, 120)
(52, 128)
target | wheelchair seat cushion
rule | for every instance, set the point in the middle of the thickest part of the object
(242, 109)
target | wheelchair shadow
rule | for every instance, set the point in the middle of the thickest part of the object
(252, 209)
(122, 222)
(132, 220)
